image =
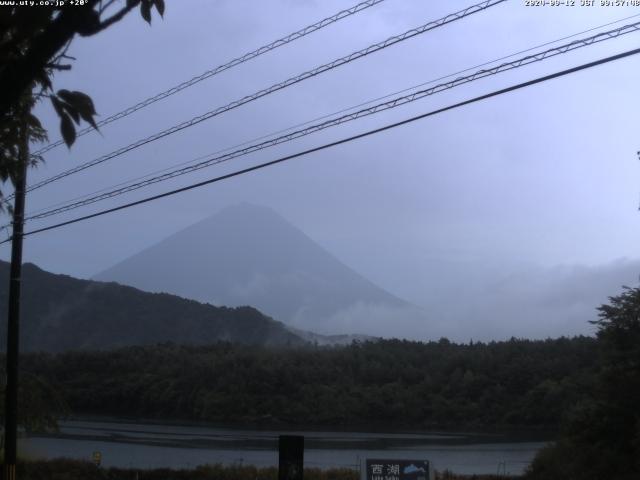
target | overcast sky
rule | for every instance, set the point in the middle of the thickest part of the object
(520, 210)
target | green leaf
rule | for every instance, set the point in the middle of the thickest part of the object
(68, 130)
(159, 6)
(64, 94)
(71, 110)
(67, 96)
(57, 105)
(79, 105)
(78, 99)
(145, 10)
(84, 103)
(89, 119)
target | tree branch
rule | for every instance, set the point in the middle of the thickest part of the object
(116, 17)
(58, 66)
(20, 74)
(106, 6)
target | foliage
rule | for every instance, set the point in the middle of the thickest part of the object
(65, 469)
(41, 405)
(73, 105)
(12, 130)
(34, 40)
(390, 383)
(601, 437)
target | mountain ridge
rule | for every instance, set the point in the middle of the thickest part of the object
(247, 254)
(62, 313)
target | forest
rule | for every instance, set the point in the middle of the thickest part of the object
(600, 437)
(585, 389)
(389, 383)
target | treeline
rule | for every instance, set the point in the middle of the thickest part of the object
(386, 383)
(66, 469)
(600, 437)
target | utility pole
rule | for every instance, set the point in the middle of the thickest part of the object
(13, 323)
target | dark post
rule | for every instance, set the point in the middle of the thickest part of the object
(13, 323)
(291, 462)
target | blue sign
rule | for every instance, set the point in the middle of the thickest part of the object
(397, 469)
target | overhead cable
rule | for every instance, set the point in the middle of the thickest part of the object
(338, 142)
(396, 102)
(221, 68)
(325, 116)
(276, 87)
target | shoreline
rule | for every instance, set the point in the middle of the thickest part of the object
(507, 434)
(85, 470)
(168, 446)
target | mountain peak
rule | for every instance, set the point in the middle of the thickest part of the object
(247, 254)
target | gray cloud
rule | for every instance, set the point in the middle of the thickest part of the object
(531, 302)
(545, 176)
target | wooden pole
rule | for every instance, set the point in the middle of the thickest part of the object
(13, 323)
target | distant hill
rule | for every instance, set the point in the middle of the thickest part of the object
(250, 255)
(63, 313)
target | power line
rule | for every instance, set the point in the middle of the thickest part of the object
(396, 102)
(276, 87)
(308, 122)
(221, 68)
(340, 142)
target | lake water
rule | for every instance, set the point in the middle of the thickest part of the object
(148, 445)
